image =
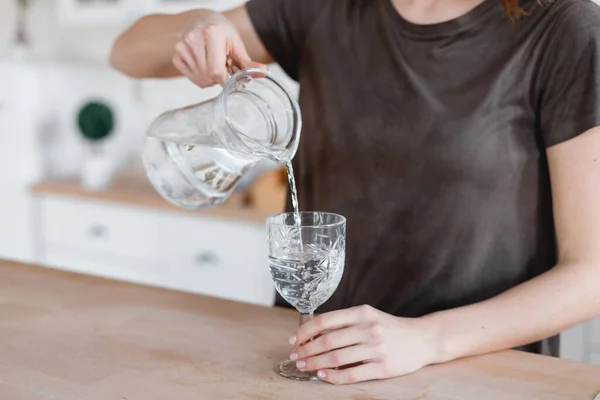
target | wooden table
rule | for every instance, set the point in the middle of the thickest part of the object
(71, 337)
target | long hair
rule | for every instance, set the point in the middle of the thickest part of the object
(513, 9)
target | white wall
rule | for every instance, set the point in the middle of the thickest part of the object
(48, 38)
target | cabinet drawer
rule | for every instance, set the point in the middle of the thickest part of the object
(100, 227)
(99, 264)
(217, 258)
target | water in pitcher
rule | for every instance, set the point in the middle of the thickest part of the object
(215, 170)
(193, 173)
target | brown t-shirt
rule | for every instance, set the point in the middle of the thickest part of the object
(431, 140)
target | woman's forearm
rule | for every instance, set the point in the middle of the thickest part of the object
(146, 49)
(537, 309)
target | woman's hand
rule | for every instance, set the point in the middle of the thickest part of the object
(209, 49)
(374, 345)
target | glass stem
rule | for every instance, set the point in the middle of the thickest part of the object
(304, 318)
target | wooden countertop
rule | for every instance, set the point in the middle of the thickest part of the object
(131, 187)
(73, 337)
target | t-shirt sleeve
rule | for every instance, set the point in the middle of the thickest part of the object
(570, 98)
(283, 27)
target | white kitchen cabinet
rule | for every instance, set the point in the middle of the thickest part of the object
(106, 265)
(16, 222)
(176, 250)
(574, 343)
(582, 342)
(217, 257)
(595, 331)
(100, 227)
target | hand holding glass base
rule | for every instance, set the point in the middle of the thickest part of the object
(288, 367)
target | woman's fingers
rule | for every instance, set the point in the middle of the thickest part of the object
(355, 334)
(185, 53)
(338, 358)
(182, 66)
(363, 372)
(240, 56)
(209, 54)
(187, 50)
(216, 54)
(197, 45)
(334, 320)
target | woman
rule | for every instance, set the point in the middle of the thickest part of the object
(460, 138)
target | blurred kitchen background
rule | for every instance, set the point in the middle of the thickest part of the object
(73, 192)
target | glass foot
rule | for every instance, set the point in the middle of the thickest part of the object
(288, 369)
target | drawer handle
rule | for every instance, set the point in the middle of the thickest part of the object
(206, 258)
(98, 231)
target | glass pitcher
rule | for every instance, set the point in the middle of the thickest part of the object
(195, 156)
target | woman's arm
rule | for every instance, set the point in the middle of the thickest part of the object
(562, 297)
(195, 43)
(385, 346)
